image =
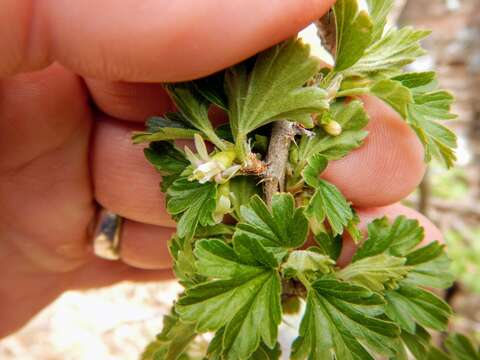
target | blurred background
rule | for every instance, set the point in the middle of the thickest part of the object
(118, 322)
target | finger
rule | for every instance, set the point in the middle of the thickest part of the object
(46, 200)
(100, 273)
(145, 246)
(147, 40)
(432, 233)
(387, 167)
(129, 101)
(137, 102)
(123, 180)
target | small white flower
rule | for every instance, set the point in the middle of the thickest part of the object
(218, 166)
(206, 171)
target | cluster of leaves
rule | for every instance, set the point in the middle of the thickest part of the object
(370, 61)
(241, 276)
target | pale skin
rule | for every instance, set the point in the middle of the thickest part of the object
(78, 77)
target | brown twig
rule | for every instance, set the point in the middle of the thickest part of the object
(277, 158)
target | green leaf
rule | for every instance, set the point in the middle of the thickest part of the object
(168, 160)
(439, 141)
(282, 227)
(352, 118)
(409, 268)
(192, 203)
(225, 132)
(164, 135)
(410, 305)
(415, 97)
(316, 165)
(194, 109)
(431, 267)
(379, 10)
(438, 103)
(169, 120)
(242, 189)
(395, 239)
(184, 265)
(171, 126)
(327, 201)
(418, 82)
(243, 297)
(340, 320)
(377, 273)
(274, 88)
(329, 245)
(217, 230)
(461, 347)
(390, 54)
(393, 93)
(435, 354)
(354, 33)
(171, 343)
(265, 353)
(212, 89)
(216, 259)
(419, 343)
(353, 229)
(307, 262)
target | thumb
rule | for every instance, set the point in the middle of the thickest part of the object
(145, 40)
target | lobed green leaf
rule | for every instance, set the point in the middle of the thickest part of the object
(353, 33)
(340, 322)
(242, 298)
(167, 160)
(173, 341)
(283, 227)
(379, 10)
(274, 89)
(409, 306)
(192, 203)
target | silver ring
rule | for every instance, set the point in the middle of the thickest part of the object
(106, 238)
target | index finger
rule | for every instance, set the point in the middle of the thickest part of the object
(145, 40)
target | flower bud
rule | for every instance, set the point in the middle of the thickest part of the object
(224, 203)
(333, 128)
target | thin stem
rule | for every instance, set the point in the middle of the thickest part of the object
(240, 143)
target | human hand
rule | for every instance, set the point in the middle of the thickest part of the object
(78, 77)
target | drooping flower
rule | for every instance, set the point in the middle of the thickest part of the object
(224, 203)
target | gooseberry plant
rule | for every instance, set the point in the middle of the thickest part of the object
(259, 231)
